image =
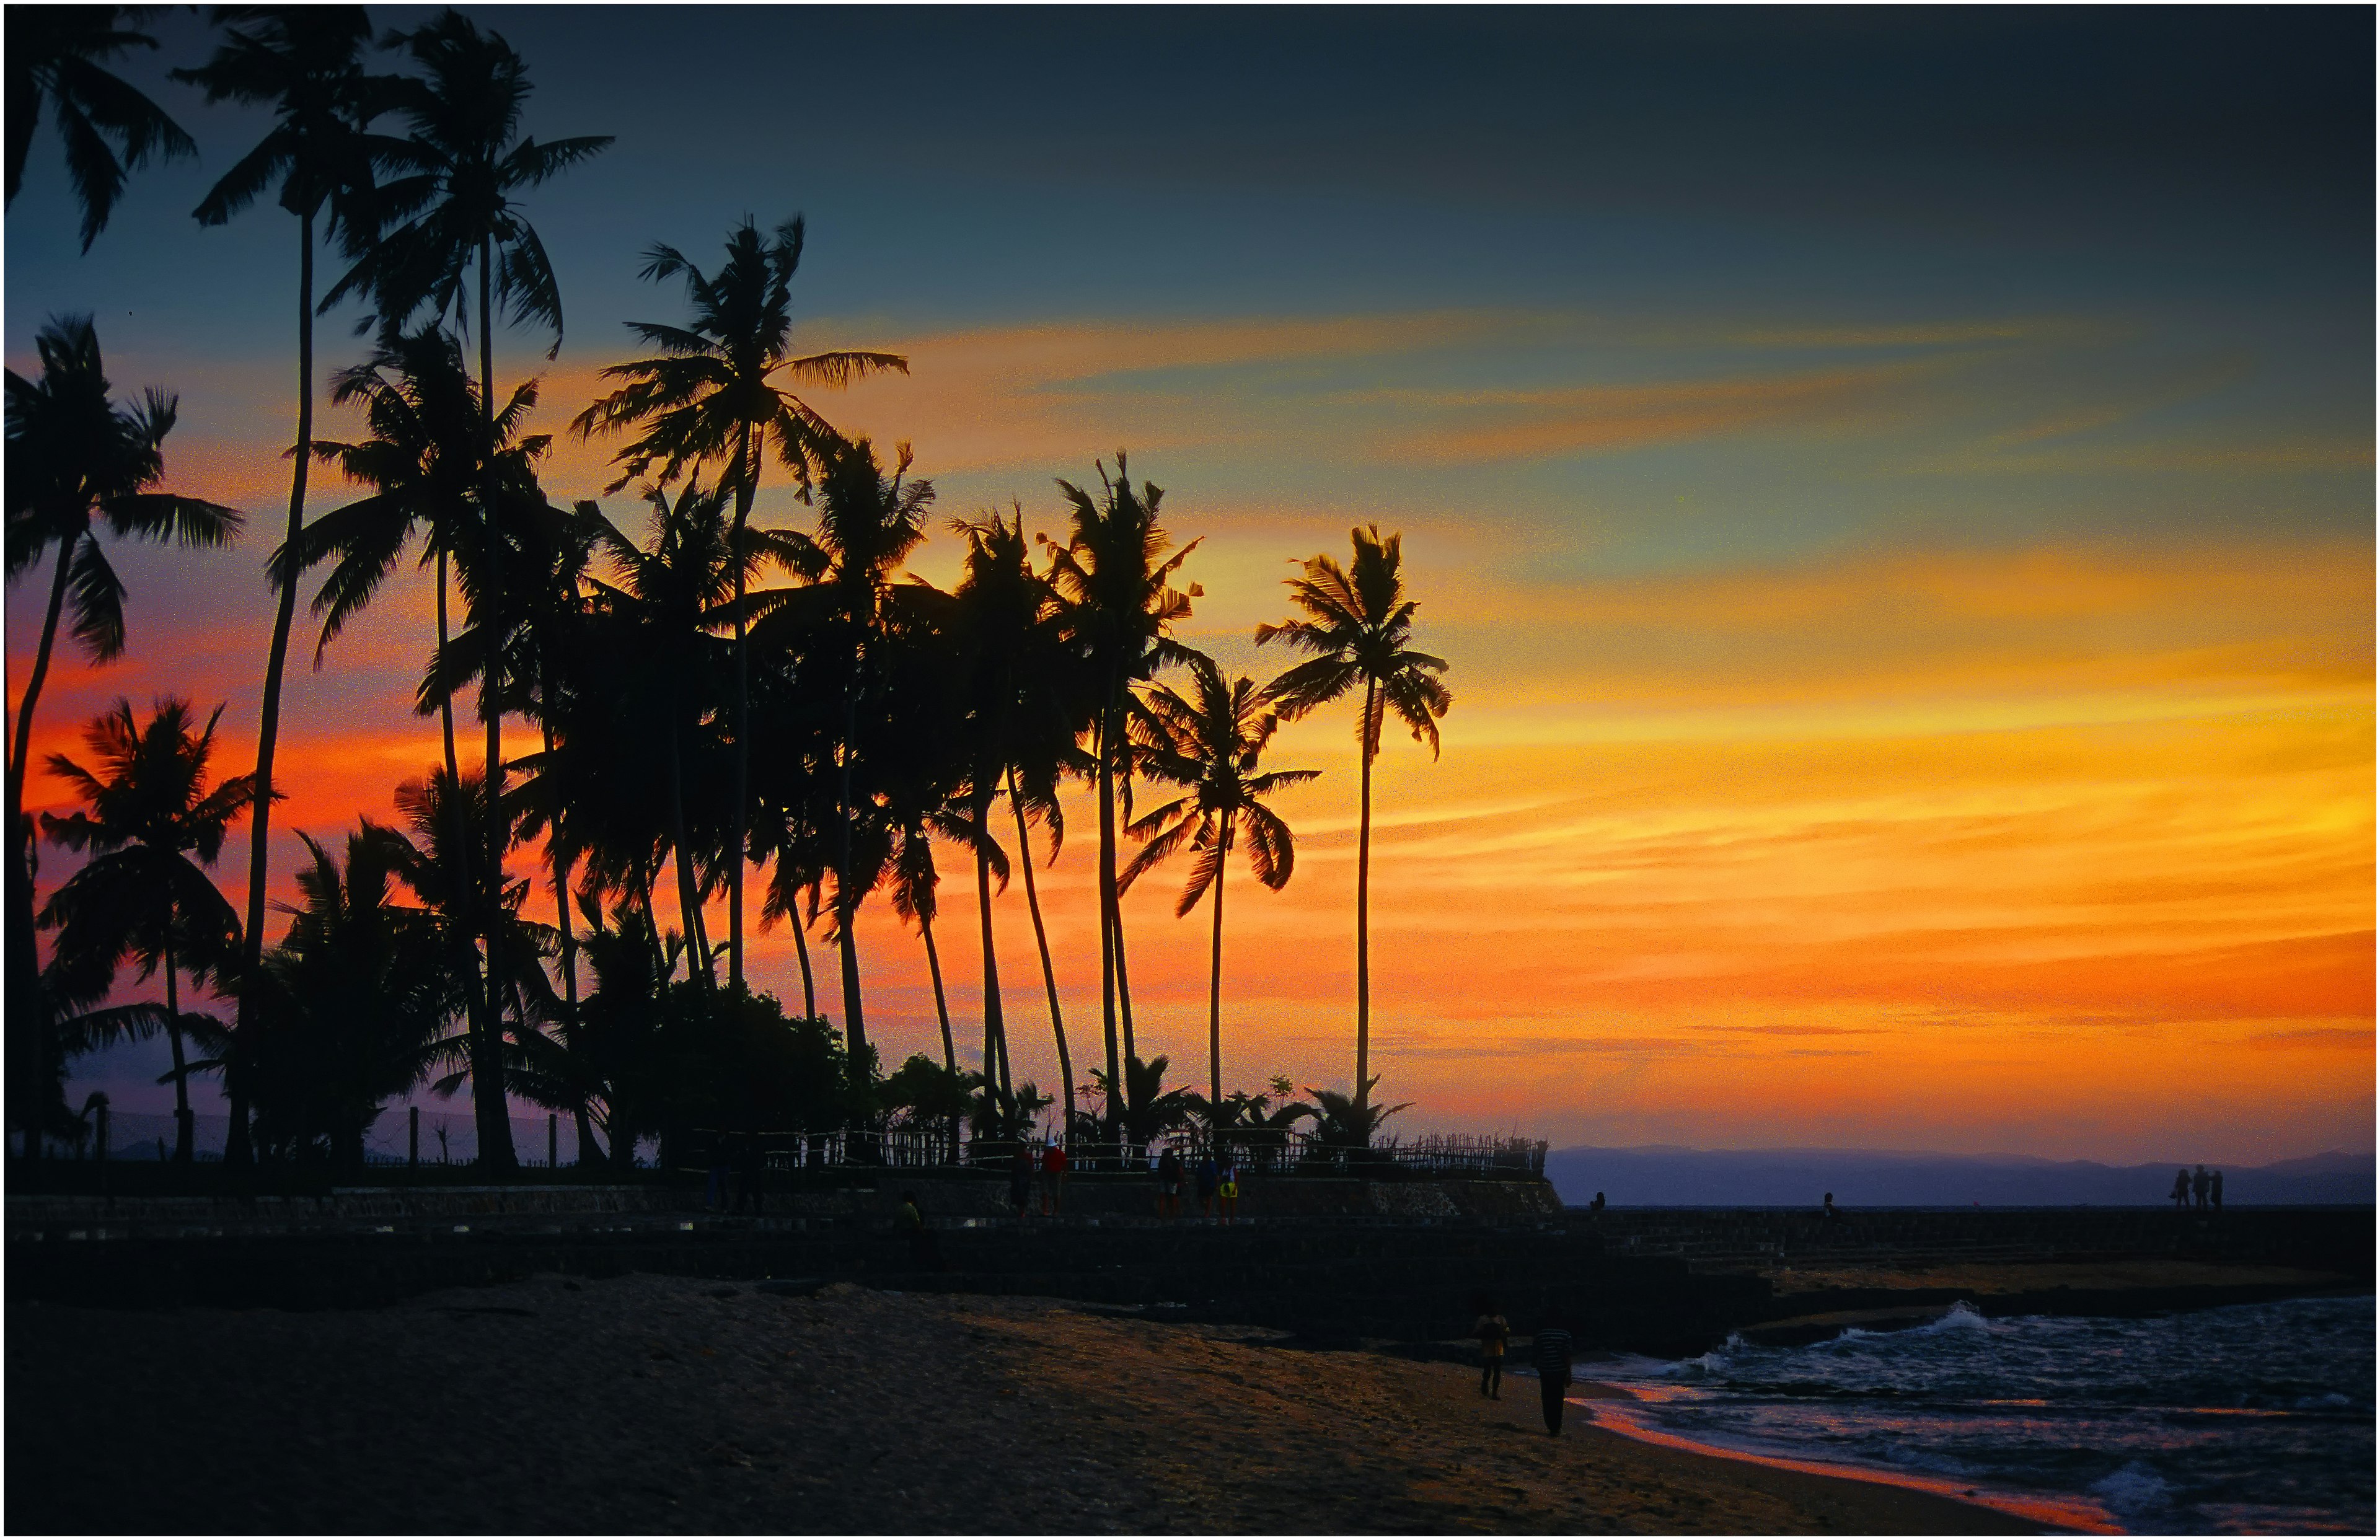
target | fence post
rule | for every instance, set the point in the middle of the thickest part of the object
(554, 1141)
(413, 1138)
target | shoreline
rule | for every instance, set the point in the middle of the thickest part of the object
(1610, 1411)
(646, 1403)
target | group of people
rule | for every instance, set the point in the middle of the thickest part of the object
(1217, 1182)
(1550, 1355)
(1048, 1163)
(2201, 1190)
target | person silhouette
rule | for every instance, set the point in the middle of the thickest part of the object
(2198, 1190)
(1553, 1346)
(2181, 1189)
(1828, 1213)
(2215, 1191)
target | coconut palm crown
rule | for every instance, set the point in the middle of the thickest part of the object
(53, 53)
(1359, 626)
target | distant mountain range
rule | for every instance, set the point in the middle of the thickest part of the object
(1674, 1175)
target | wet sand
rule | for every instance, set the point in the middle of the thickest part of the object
(649, 1403)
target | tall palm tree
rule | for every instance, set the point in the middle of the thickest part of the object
(1209, 741)
(717, 389)
(76, 460)
(306, 62)
(466, 165)
(53, 55)
(846, 621)
(438, 462)
(1015, 677)
(672, 598)
(1115, 582)
(1359, 629)
(153, 826)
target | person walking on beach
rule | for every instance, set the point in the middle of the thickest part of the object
(751, 1162)
(1553, 1374)
(2198, 1190)
(2181, 1189)
(1053, 1178)
(1020, 1181)
(1228, 1194)
(1169, 1185)
(912, 1222)
(714, 1188)
(2215, 1191)
(1210, 1178)
(1491, 1328)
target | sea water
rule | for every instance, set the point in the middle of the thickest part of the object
(2253, 1418)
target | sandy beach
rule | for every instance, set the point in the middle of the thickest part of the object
(650, 1403)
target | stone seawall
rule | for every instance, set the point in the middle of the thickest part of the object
(945, 1200)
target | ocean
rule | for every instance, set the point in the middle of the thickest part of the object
(2250, 1419)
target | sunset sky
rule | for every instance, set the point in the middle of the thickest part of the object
(1895, 491)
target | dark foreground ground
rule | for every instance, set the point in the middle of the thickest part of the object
(645, 1403)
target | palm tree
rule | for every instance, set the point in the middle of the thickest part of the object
(306, 63)
(438, 461)
(1114, 582)
(1209, 742)
(1344, 1121)
(712, 393)
(355, 1000)
(153, 827)
(1359, 629)
(1015, 683)
(1143, 1107)
(467, 896)
(843, 625)
(53, 53)
(467, 164)
(76, 459)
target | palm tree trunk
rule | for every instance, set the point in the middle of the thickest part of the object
(747, 486)
(1364, 917)
(1041, 939)
(995, 1013)
(1215, 993)
(28, 1013)
(652, 926)
(846, 902)
(181, 1068)
(1123, 982)
(268, 727)
(689, 901)
(855, 1029)
(942, 1005)
(487, 1091)
(1108, 918)
(802, 955)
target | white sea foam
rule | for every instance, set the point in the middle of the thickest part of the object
(2133, 1488)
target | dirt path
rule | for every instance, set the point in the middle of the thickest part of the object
(645, 1404)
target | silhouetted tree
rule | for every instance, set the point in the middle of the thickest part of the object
(1210, 740)
(1113, 579)
(713, 393)
(76, 460)
(1359, 629)
(306, 62)
(152, 827)
(354, 1004)
(458, 212)
(53, 59)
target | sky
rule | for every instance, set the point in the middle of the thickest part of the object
(1895, 489)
